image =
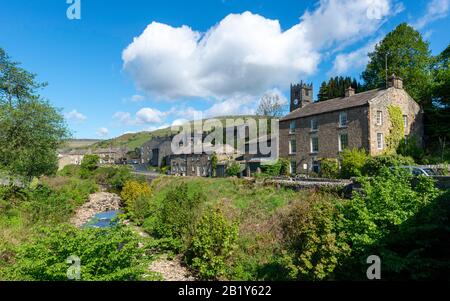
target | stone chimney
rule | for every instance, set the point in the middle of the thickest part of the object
(395, 81)
(349, 92)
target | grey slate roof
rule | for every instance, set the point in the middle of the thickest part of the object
(334, 104)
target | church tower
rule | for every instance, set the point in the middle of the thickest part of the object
(301, 95)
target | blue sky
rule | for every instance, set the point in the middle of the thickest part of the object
(213, 57)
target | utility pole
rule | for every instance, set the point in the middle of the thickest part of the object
(386, 68)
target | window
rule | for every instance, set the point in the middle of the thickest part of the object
(343, 142)
(292, 127)
(314, 144)
(380, 143)
(316, 166)
(314, 124)
(379, 117)
(405, 121)
(292, 146)
(293, 167)
(343, 119)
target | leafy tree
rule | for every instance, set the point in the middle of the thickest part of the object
(88, 165)
(31, 130)
(336, 87)
(270, 105)
(408, 57)
(214, 161)
(136, 197)
(234, 169)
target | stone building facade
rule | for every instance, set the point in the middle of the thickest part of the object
(157, 150)
(195, 165)
(313, 131)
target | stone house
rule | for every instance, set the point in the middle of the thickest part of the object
(198, 165)
(156, 151)
(316, 130)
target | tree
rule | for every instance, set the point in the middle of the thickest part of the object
(408, 56)
(88, 165)
(270, 105)
(31, 130)
(336, 87)
(214, 161)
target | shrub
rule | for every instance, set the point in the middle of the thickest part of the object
(329, 168)
(114, 177)
(136, 197)
(353, 162)
(234, 169)
(212, 244)
(105, 255)
(88, 165)
(410, 147)
(313, 246)
(397, 130)
(375, 164)
(176, 215)
(70, 171)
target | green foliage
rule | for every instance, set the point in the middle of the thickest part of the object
(410, 147)
(408, 57)
(31, 129)
(214, 161)
(176, 215)
(285, 167)
(136, 196)
(329, 168)
(88, 165)
(114, 177)
(375, 165)
(212, 244)
(336, 87)
(234, 169)
(105, 255)
(279, 168)
(314, 248)
(397, 130)
(70, 171)
(353, 161)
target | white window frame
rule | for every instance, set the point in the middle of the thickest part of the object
(380, 140)
(290, 146)
(312, 145)
(341, 114)
(314, 122)
(341, 149)
(291, 170)
(405, 122)
(292, 130)
(379, 117)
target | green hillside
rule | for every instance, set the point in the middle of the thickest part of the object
(135, 140)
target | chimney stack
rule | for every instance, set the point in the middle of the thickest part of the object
(349, 92)
(395, 81)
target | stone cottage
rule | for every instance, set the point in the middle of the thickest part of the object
(316, 130)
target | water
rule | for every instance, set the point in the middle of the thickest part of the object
(103, 220)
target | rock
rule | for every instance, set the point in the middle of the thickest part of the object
(171, 270)
(98, 203)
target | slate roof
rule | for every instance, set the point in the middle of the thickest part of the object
(335, 104)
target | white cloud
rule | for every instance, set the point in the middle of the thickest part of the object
(149, 115)
(353, 60)
(124, 118)
(75, 116)
(245, 54)
(102, 132)
(436, 9)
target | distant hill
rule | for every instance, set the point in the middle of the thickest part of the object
(135, 140)
(78, 143)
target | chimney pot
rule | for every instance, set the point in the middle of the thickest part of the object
(349, 92)
(395, 81)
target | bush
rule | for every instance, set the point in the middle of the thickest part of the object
(353, 162)
(313, 246)
(136, 197)
(114, 177)
(234, 169)
(175, 216)
(105, 255)
(329, 168)
(375, 164)
(410, 147)
(88, 165)
(279, 168)
(212, 244)
(70, 171)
